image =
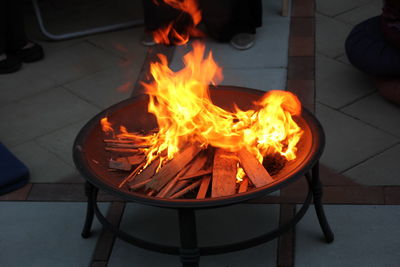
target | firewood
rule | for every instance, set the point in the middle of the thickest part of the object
(178, 186)
(254, 169)
(126, 163)
(123, 150)
(244, 185)
(126, 146)
(197, 174)
(186, 189)
(224, 173)
(168, 187)
(146, 173)
(121, 141)
(205, 182)
(171, 168)
(139, 185)
(132, 174)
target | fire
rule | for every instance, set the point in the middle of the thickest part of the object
(185, 114)
(170, 34)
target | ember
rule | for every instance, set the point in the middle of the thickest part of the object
(175, 158)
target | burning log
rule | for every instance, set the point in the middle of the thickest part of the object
(146, 173)
(196, 174)
(205, 182)
(178, 186)
(186, 189)
(254, 169)
(171, 168)
(244, 185)
(139, 185)
(126, 163)
(224, 173)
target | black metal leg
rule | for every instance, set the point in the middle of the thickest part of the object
(316, 187)
(91, 193)
(189, 252)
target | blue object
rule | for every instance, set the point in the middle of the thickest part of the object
(367, 49)
(13, 173)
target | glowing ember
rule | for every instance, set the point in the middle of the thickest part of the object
(185, 115)
(169, 34)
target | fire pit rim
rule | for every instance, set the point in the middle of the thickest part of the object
(80, 162)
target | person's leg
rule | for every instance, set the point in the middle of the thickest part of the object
(157, 15)
(8, 63)
(218, 16)
(15, 33)
(247, 16)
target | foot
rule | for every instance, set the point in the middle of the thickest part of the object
(31, 52)
(243, 41)
(9, 64)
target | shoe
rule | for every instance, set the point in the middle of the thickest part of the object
(31, 52)
(147, 39)
(9, 64)
(243, 41)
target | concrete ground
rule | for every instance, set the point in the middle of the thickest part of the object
(44, 105)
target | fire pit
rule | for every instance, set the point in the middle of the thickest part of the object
(92, 159)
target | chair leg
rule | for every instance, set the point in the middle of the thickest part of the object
(285, 8)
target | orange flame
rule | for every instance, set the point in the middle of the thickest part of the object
(106, 126)
(169, 34)
(185, 114)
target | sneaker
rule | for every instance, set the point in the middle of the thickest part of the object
(31, 52)
(147, 39)
(9, 64)
(243, 41)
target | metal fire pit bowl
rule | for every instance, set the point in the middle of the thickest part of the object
(91, 160)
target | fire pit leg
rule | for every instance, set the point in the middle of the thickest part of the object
(189, 252)
(91, 193)
(316, 187)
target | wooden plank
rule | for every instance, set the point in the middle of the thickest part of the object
(194, 175)
(125, 163)
(254, 169)
(224, 173)
(178, 186)
(186, 189)
(205, 182)
(171, 168)
(244, 185)
(146, 173)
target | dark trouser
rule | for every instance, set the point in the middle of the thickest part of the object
(12, 31)
(223, 18)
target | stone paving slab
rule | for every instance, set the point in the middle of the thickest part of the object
(331, 35)
(383, 115)
(215, 226)
(349, 141)
(364, 236)
(339, 84)
(63, 66)
(44, 166)
(41, 114)
(382, 169)
(45, 234)
(332, 8)
(359, 14)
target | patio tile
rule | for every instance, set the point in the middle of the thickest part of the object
(44, 166)
(343, 59)
(107, 87)
(262, 79)
(359, 14)
(61, 141)
(331, 35)
(63, 66)
(123, 43)
(332, 8)
(45, 234)
(365, 236)
(339, 84)
(40, 114)
(382, 169)
(349, 141)
(384, 115)
(144, 222)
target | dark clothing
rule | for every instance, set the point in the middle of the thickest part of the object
(369, 51)
(12, 31)
(222, 18)
(390, 23)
